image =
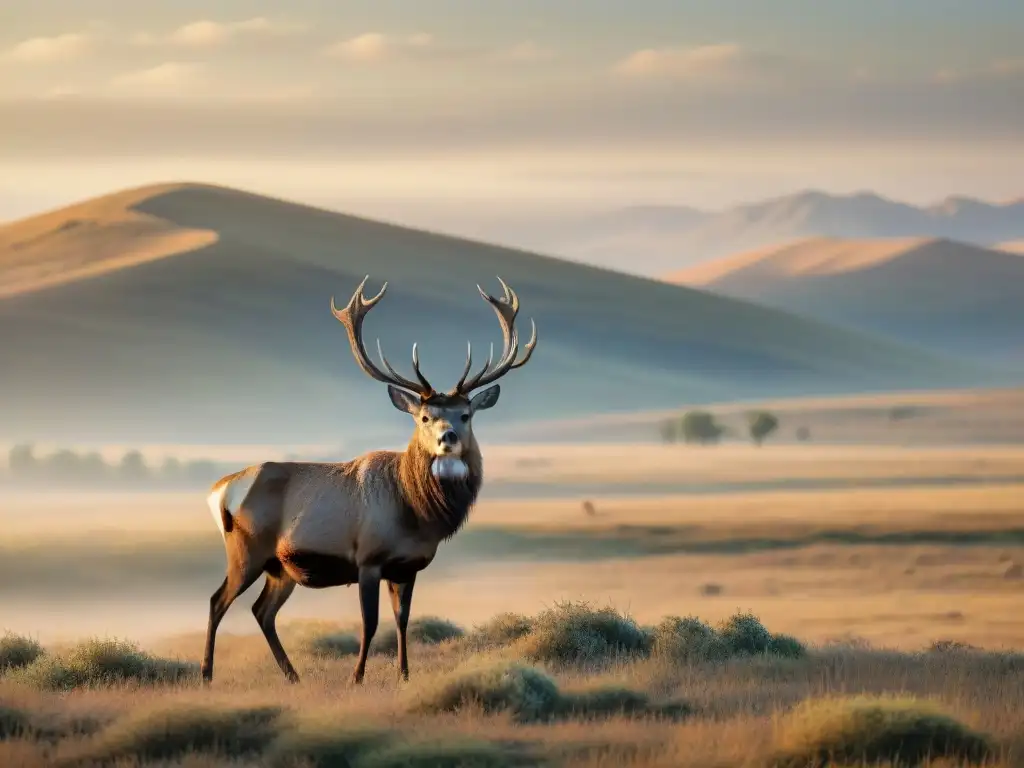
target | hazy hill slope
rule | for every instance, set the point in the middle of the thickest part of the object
(952, 297)
(1012, 246)
(654, 241)
(234, 341)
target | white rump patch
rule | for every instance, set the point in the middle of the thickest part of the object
(229, 496)
(449, 468)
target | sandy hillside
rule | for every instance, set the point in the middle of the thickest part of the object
(1013, 246)
(948, 296)
(230, 339)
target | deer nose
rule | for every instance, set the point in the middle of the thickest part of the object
(449, 438)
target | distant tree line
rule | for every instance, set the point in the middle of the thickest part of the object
(701, 427)
(65, 467)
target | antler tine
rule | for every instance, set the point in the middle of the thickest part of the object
(469, 364)
(352, 317)
(506, 309)
(416, 369)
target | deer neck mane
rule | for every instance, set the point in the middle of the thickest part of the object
(439, 507)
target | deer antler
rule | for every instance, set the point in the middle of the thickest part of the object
(352, 318)
(506, 308)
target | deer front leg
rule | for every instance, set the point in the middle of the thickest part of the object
(369, 604)
(401, 604)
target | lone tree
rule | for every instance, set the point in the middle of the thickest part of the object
(700, 427)
(761, 424)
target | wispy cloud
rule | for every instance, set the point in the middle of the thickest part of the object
(526, 51)
(704, 64)
(206, 33)
(376, 46)
(42, 50)
(169, 78)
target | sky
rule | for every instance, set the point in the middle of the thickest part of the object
(439, 109)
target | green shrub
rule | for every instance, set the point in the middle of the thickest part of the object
(787, 647)
(501, 630)
(14, 723)
(744, 634)
(428, 630)
(527, 693)
(334, 644)
(101, 662)
(171, 732)
(575, 632)
(17, 652)
(689, 640)
(321, 743)
(451, 753)
(894, 731)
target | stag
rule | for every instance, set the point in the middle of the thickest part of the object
(378, 517)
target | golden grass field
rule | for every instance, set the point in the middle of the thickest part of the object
(900, 569)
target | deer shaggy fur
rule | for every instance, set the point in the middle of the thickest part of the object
(378, 517)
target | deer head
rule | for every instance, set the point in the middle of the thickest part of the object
(444, 420)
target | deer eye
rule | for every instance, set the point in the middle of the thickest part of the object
(424, 418)
(465, 418)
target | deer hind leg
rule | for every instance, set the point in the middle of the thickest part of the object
(241, 575)
(401, 604)
(369, 604)
(276, 591)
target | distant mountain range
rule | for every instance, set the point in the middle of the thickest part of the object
(200, 314)
(953, 298)
(653, 240)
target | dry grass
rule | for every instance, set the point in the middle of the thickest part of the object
(471, 705)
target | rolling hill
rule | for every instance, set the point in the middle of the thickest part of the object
(656, 239)
(200, 314)
(950, 297)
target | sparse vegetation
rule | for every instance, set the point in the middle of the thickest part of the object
(17, 651)
(761, 424)
(865, 729)
(700, 427)
(89, 469)
(170, 732)
(573, 633)
(480, 700)
(101, 662)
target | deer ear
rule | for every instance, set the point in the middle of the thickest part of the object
(485, 399)
(402, 400)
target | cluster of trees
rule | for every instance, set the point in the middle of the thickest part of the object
(65, 467)
(701, 427)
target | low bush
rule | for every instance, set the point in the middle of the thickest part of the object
(101, 662)
(863, 729)
(17, 651)
(169, 733)
(574, 632)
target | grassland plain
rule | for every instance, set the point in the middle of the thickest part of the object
(573, 685)
(887, 629)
